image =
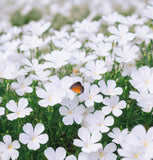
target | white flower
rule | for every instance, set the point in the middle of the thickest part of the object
(2, 111)
(70, 157)
(80, 58)
(148, 12)
(36, 28)
(126, 54)
(32, 65)
(121, 35)
(11, 46)
(131, 20)
(68, 45)
(56, 59)
(50, 96)
(19, 111)
(85, 29)
(41, 75)
(143, 33)
(59, 154)
(8, 148)
(94, 69)
(30, 42)
(101, 48)
(72, 111)
(139, 137)
(98, 122)
(110, 88)
(144, 100)
(142, 79)
(129, 152)
(118, 136)
(59, 35)
(147, 103)
(96, 38)
(111, 18)
(138, 144)
(106, 153)
(113, 105)
(32, 136)
(88, 140)
(7, 70)
(90, 95)
(128, 68)
(88, 111)
(63, 85)
(22, 85)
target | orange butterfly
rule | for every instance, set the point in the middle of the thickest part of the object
(77, 87)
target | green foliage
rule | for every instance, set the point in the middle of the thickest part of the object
(18, 19)
(77, 14)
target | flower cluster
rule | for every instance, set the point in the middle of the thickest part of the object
(80, 89)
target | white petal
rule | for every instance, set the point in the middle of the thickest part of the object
(78, 143)
(49, 153)
(20, 92)
(11, 105)
(117, 112)
(106, 110)
(12, 116)
(109, 121)
(60, 153)
(111, 147)
(28, 128)
(28, 89)
(68, 120)
(39, 128)
(7, 139)
(63, 111)
(43, 138)
(71, 157)
(15, 85)
(33, 145)
(23, 102)
(24, 138)
(84, 134)
(14, 154)
(16, 144)
(41, 93)
(43, 103)
(96, 136)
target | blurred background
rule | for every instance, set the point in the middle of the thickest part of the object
(60, 12)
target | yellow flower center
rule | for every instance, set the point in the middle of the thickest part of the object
(75, 70)
(113, 107)
(147, 81)
(102, 154)
(145, 143)
(130, 65)
(136, 156)
(33, 138)
(23, 85)
(50, 97)
(95, 72)
(10, 147)
(69, 112)
(101, 124)
(87, 145)
(90, 97)
(18, 113)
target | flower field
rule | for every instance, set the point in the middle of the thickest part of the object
(76, 80)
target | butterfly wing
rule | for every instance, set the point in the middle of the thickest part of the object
(77, 87)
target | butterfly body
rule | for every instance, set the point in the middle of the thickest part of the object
(77, 87)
